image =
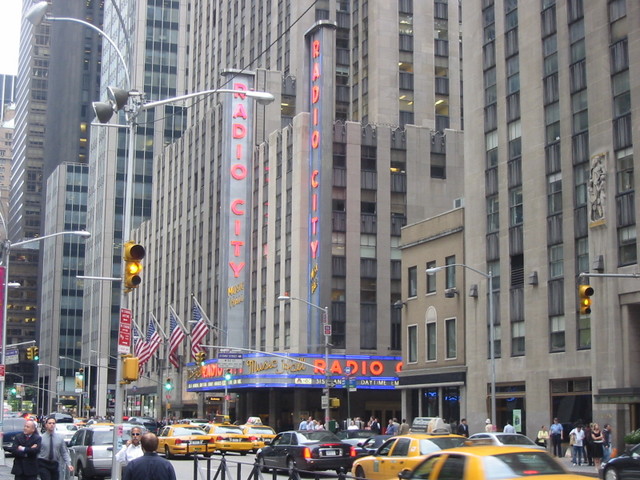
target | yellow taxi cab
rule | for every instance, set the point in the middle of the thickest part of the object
(183, 439)
(226, 437)
(260, 435)
(403, 453)
(489, 462)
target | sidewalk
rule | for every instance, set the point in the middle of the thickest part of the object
(5, 472)
(566, 462)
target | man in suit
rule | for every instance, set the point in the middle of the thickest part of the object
(25, 449)
(463, 428)
(149, 465)
(54, 453)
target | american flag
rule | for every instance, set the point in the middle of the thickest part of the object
(154, 340)
(176, 336)
(139, 347)
(198, 331)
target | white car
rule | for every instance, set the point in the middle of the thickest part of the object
(505, 439)
(66, 430)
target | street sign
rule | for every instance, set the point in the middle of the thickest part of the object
(229, 358)
(324, 401)
(327, 329)
(124, 332)
(2, 372)
(13, 356)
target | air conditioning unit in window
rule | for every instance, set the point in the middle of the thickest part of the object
(458, 202)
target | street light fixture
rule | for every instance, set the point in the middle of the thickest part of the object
(492, 351)
(327, 346)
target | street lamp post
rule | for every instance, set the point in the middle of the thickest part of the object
(327, 347)
(492, 351)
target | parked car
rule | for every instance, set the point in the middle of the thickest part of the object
(91, 451)
(148, 423)
(200, 422)
(61, 417)
(370, 445)
(626, 466)
(228, 438)
(506, 439)
(184, 439)
(353, 437)
(306, 450)
(260, 435)
(67, 430)
(403, 453)
(10, 428)
(488, 463)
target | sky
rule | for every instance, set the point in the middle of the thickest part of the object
(10, 11)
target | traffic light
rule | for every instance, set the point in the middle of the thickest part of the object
(200, 358)
(13, 390)
(168, 386)
(133, 254)
(29, 353)
(130, 371)
(334, 402)
(80, 379)
(36, 353)
(584, 294)
(227, 375)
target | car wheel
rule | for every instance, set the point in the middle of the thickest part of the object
(360, 472)
(261, 464)
(167, 452)
(243, 453)
(611, 474)
(80, 473)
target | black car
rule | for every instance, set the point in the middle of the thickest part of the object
(147, 422)
(624, 467)
(354, 437)
(370, 445)
(306, 450)
(10, 428)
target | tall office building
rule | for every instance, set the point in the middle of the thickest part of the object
(552, 134)
(150, 36)
(385, 109)
(7, 93)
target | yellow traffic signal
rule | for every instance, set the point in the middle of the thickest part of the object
(130, 369)
(133, 254)
(29, 353)
(200, 358)
(334, 402)
(584, 296)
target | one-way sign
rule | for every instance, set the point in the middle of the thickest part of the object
(229, 358)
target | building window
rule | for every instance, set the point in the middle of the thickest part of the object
(493, 214)
(450, 272)
(582, 254)
(556, 261)
(581, 177)
(450, 326)
(515, 207)
(431, 278)
(412, 343)
(431, 341)
(624, 170)
(554, 193)
(627, 250)
(584, 331)
(412, 281)
(557, 334)
(517, 339)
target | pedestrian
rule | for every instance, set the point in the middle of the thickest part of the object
(391, 428)
(588, 444)
(488, 427)
(352, 425)
(606, 444)
(543, 437)
(576, 440)
(374, 425)
(130, 450)
(557, 435)
(149, 466)
(463, 428)
(597, 446)
(304, 424)
(404, 427)
(53, 454)
(508, 428)
(25, 449)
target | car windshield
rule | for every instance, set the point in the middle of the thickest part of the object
(261, 430)
(319, 436)
(102, 437)
(187, 431)
(521, 464)
(228, 429)
(436, 444)
(514, 440)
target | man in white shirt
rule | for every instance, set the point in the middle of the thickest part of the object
(577, 442)
(508, 428)
(132, 449)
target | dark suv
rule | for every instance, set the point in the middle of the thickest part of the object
(147, 422)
